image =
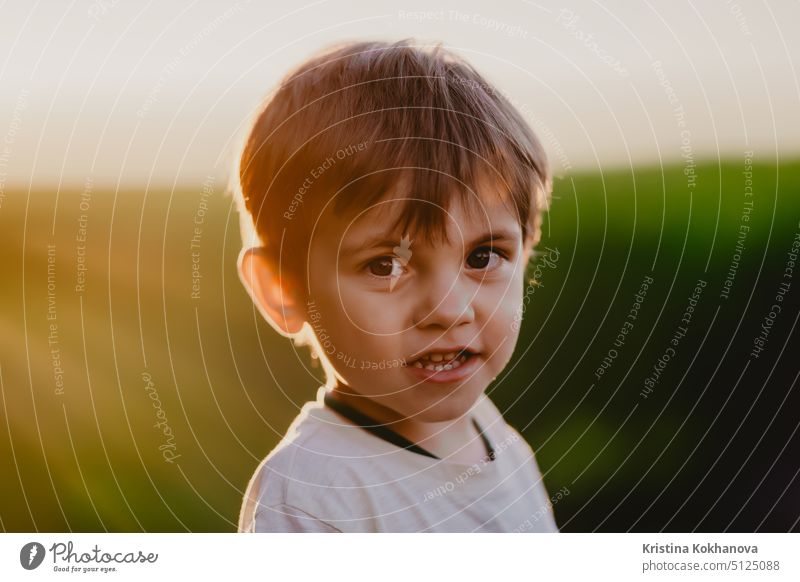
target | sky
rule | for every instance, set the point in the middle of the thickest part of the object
(131, 94)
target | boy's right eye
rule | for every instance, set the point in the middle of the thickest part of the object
(385, 267)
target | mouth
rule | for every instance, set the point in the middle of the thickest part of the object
(443, 360)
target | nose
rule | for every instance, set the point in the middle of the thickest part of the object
(445, 300)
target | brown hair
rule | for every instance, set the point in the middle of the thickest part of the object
(367, 118)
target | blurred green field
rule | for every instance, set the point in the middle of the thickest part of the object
(88, 457)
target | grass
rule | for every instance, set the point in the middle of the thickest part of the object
(227, 386)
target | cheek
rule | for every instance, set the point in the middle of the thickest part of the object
(361, 329)
(501, 305)
(501, 314)
(371, 312)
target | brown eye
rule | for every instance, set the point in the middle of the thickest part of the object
(482, 258)
(382, 267)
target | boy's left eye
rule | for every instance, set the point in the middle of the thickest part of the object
(485, 258)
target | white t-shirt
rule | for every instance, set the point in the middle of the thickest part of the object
(328, 474)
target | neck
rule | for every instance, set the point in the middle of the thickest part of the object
(442, 439)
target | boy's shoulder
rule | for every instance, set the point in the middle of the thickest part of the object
(319, 450)
(313, 445)
(319, 458)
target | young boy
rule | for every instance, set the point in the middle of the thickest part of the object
(391, 201)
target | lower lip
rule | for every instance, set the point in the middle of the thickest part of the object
(445, 376)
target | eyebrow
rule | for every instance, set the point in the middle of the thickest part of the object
(384, 241)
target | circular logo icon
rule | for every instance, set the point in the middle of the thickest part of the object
(31, 555)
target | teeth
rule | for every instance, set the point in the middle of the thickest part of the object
(453, 362)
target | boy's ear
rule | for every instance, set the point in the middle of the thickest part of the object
(274, 293)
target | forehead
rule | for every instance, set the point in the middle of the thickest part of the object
(464, 219)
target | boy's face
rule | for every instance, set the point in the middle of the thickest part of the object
(379, 302)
